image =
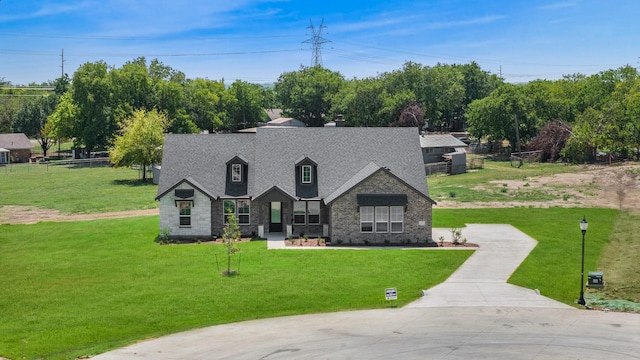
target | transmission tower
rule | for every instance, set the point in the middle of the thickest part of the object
(316, 42)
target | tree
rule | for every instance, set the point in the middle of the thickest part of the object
(494, 116)
(140, 141)
(131, 88)
(91, 91)
(230, 237)
(245, 105)
(551, 140)
(307, 94)
(411, 116)
(204, 100)
(361, 102)
(63, 119)
(33, 116)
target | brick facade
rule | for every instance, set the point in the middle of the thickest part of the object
(345, 215)
(217, 219)
(200, 215)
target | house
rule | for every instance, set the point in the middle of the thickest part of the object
(438, 148)
(278, 122)
(14, 148)
(354, 185)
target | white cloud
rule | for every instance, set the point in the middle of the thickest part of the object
(558, 5)
(461, 23)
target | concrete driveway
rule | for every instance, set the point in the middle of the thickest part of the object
(474, 314)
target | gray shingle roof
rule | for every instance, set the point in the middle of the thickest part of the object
(440, 140)
(203, 158)
(15, 141)
(340, 154)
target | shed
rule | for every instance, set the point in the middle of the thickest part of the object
(444, 147)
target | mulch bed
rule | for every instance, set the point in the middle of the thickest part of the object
(313, 242)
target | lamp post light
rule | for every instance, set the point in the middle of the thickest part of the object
(583, 227)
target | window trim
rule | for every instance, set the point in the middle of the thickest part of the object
(381, 217)
(184, 216)
(236, 172)
(310, 215)
(380, 220)
(236, 211)
(304, 214)
(309, 177)
(364, 210)
(400, 210)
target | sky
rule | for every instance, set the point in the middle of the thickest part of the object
(257, 40)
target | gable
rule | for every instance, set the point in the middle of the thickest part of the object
(17, 141)
(340, 153)
(274, 156)
(204, 158)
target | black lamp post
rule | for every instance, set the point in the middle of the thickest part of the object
(583, 227)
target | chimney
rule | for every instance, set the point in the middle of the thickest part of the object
(339, 121)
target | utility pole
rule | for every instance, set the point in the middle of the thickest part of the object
(316, 42)
(62, 63)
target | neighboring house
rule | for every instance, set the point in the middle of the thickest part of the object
(17, 148)
(444, 148)
(354, 185)
(274, 113)
(279, 122)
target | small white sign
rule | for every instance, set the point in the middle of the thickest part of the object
(422, 223)
(391, 294)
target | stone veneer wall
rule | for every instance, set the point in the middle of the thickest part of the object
(345, 215)
(217, 220)
(200, 215)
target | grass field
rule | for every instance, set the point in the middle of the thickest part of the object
(73, 289)
(553, 266)
(75, 190)
(476, 185)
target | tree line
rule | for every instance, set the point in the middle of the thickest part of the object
(93, 106)
(575, 117)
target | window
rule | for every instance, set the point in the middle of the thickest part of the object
(306, 212)
(397, 219)
(306, 174)
(384, 216)
(185, 213)
(366, 219)
(241, 209)
(382, 219)
(313, 209)
(299, 212)
(236, 172)
(244, 210)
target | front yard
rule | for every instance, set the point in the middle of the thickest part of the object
(74, 289)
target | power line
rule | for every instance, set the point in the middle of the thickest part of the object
(316, 42)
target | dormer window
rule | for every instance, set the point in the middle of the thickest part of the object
(236, 172)
(306, 174)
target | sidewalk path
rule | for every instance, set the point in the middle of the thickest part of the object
(482, 279)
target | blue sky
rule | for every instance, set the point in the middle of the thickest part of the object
(257, 40)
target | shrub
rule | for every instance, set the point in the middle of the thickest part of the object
(164, 237)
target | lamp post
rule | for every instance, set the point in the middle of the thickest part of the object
(583, 227)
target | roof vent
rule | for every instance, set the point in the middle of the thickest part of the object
(339, 121)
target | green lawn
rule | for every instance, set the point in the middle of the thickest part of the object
(553, 266)
(476, 185)
(72, 289)
(75, 190)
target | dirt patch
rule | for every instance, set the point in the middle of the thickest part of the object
(595, 187)
(31, 215)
